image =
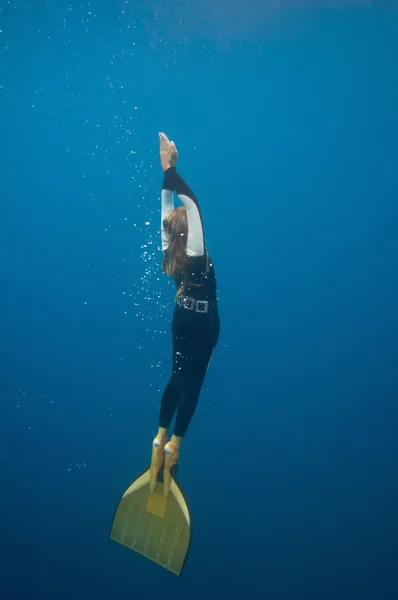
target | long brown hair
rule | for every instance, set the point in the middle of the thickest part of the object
(175, 260)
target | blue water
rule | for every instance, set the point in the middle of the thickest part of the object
(285, 117)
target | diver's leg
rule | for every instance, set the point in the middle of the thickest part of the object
(199, 357)
(168, 404)
(197, 361)
(167, 410)
(169, 401)
(187, 403)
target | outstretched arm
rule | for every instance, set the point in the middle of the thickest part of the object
(174, 182)
(167, 207)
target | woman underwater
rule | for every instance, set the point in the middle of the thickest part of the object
(196, 324)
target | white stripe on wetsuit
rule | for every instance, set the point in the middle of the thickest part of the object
(195, 241)
(167, 207)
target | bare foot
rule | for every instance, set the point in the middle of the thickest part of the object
(171, 455)
(157, 459)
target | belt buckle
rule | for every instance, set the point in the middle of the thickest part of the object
(188, 303)
(204, 304)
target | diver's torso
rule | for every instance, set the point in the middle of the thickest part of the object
(199, 279)
(200, 284)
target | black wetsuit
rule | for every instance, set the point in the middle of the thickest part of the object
(196, 323)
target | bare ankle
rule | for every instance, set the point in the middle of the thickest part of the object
(176, 439)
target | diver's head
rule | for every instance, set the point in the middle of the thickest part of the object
(175, 226)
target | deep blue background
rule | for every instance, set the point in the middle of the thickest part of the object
(287, 127)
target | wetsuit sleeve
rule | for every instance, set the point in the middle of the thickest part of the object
(174, 182)
(167, 207)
